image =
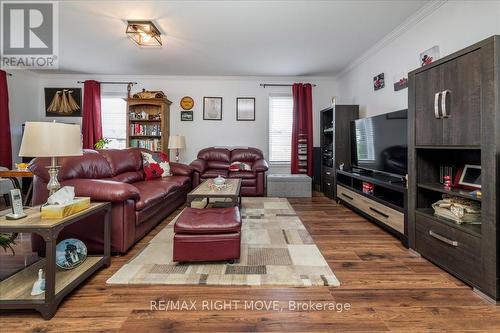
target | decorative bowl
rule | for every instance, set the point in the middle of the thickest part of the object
(219, 181)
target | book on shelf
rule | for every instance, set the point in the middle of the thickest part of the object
(151, 144)
(141, 129)
(457, 209)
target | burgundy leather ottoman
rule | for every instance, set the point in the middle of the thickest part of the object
(209, 234)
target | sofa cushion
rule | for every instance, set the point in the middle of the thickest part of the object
(129, 177)
(215, 154)
(212, 173)
(151, 192)
(155, 165)
(208, 221)
(246, 154)
(242, 174)
(177, 180)
(240, 166)
(123, 160)
(90, 165)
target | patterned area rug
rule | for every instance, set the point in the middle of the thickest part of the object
(276, 249)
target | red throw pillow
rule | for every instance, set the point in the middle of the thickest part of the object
(239, 166)
(155, 165)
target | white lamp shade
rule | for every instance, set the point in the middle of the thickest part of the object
(176, 142)
(51, 139)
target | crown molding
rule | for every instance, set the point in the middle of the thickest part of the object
(141, 77)
(409, 23)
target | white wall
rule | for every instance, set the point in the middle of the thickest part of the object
(199, 133)
(453, 26)
(23, 89)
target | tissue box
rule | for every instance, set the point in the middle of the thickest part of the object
(60, 211)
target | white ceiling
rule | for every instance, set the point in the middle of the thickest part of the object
(254, 38)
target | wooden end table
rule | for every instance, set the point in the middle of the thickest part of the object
(15, 290)
(204, 191)
(13, 175)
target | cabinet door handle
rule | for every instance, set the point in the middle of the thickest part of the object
(443, 103)
(436, 105)
(443, 239)
(347, 196)
(379, 212)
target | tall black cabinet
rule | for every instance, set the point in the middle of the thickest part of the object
(335, 140)
(454, 119)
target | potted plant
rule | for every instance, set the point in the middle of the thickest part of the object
(7, 240)
(101, 144)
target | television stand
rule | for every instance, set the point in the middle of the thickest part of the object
(386, 206)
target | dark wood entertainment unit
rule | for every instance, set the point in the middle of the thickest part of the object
(454, 119)
(386, 206)
(335, 140)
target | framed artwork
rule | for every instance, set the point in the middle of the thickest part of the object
(378, 82)
(469, 177)
(212, 108)
(63, 102)
(187, 103)
(429, 56)
(400, 82)
(245, 108)
(186, 115)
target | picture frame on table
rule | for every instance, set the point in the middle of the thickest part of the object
(469, 177)
(212, 108)
(245, 108)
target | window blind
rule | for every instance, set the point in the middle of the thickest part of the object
(280, 128)
(114, 121)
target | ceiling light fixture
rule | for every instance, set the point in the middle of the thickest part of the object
(143, 33)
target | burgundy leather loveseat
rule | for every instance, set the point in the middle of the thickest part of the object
(212, 162)
(116, 176)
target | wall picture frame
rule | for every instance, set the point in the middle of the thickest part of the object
(245, 108)
(63, 102)
(186, 115)
(378, 82)
(429, 56)
(212, 108)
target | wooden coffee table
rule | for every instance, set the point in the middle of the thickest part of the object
(206, 191)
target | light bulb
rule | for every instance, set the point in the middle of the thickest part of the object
(145, 37)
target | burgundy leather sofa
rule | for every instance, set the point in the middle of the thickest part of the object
(212, 162)
(116, 176)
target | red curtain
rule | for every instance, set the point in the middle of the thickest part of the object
(302, 131)
(5, 143)
(91, 118)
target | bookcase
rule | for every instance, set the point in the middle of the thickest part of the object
(335, 140)
(148, 123)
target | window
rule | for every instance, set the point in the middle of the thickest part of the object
(114, 121)
(280, 129)
(365, 143)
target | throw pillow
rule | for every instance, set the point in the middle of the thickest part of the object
(239, 166)
(155, 165)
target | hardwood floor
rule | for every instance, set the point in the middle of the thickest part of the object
(388, 288)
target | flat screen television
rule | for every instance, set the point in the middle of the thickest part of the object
(380, 143)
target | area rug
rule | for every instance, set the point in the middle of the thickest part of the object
(276, 249)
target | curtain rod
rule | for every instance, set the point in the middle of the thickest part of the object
(104, 82)
(278, 85)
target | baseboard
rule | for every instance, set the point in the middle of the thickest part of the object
(485, 297)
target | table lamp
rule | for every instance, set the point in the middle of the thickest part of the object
(176, 142)
(51, 139)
